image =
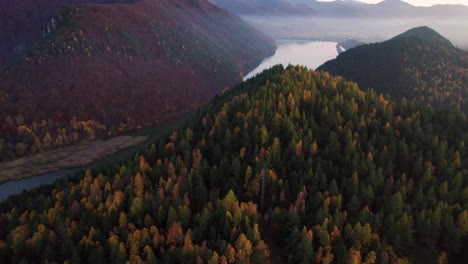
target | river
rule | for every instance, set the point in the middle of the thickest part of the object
(153, 132)
(298, 52)
(302, 52)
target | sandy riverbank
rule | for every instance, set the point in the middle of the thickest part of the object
(66, 158)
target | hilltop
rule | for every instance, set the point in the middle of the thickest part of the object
(419, 64)
(293, 163)
(102, 69)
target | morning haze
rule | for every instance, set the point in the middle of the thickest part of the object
(338, 20)
(416, 2)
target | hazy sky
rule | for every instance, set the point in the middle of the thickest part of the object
(418, 2)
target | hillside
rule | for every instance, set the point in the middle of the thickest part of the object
(106, 68)
(419, 64)
(319, 169)
(22, 23)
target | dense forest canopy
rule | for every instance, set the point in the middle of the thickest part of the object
(298, 158)
(419, 64)
(101, 69)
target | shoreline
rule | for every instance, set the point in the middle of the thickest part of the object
(45, 173)
(302, 53)
(69, 157)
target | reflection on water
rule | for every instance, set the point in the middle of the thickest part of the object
(310, 54)
(363, 29)
(14, 187)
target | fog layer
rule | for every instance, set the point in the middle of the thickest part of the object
(363, 29)
(309, 54)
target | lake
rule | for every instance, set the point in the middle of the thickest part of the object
(307, 53)
(362, 29)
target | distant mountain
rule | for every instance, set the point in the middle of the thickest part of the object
(387, 8)
(446, 10)
(264, 7)
(338, 8)
(392, 8)
(352, 1)
(105, 68)
(419, 64)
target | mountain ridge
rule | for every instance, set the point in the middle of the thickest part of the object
(425, 33)
(387, 8)
(419, 64)
(264, 7)
(114, 67)
(22, 23)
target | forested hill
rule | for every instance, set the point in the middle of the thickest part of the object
(23, 23)
(305, 161)
(105, 68)
(418, 64)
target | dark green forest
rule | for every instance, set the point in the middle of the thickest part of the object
(292, 159)
(419, 64)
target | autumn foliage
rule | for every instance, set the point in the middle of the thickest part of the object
(292, 159)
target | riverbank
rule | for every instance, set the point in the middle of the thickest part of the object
(66, 158)
(22, 176)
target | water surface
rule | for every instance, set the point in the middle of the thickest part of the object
(154, 132)
(311, 54)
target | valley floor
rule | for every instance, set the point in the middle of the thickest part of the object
(68, 157)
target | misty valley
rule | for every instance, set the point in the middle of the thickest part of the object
(365, 29)
(296, 52)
